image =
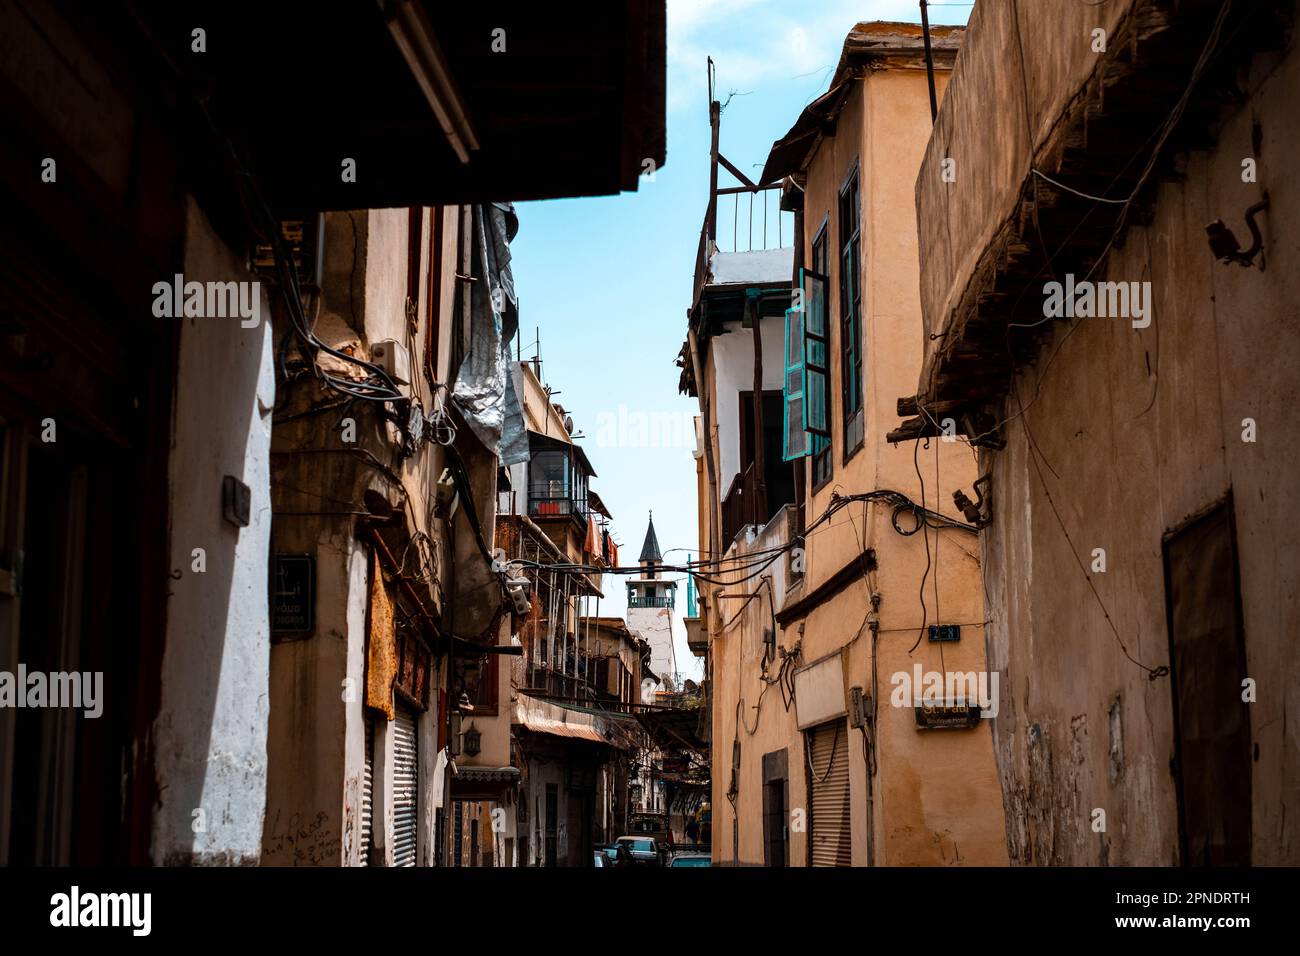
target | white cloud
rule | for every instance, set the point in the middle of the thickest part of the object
(753, 42)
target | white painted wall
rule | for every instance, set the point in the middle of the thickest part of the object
(733, 363)
(210, 734)
(659, 627)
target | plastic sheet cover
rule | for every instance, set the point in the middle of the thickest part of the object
(484, 390)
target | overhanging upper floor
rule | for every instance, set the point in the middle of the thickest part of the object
(1058, 124)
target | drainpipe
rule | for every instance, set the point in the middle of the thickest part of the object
(929, 59)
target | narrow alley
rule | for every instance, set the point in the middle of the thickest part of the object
(650, 435)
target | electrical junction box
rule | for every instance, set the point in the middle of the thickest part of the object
(236, 501)
(518, 588)
(303, 241)
(857, 708)
(392, 357)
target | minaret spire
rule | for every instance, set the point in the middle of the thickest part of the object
(650, 550)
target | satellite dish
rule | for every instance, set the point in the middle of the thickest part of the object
(568, 424)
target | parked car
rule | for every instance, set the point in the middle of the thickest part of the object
(646, 851)
(607, 855)
(648, 824)
(691, 859)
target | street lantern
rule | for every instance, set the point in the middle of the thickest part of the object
(473, 741)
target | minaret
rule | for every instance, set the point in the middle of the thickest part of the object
(651, 603)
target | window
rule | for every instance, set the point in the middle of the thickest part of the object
(557, 484)
(794, 435)
(850, 316)
(479, 678)
(817, 416)
(548, 482)
(806, 422)
(778, 480)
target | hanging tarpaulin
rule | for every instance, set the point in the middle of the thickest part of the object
(484, 391)
(381, 647)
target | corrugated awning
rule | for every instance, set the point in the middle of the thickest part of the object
(539, 442)
(487, 774)
(597, 505)
(558, 728)
(483, 783)
(555, 720)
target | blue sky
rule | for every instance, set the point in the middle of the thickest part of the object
(608, 280)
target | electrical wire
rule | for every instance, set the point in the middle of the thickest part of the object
(768, 556)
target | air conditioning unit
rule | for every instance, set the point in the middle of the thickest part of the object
(392, 357)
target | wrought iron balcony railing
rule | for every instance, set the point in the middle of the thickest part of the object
(651, 602)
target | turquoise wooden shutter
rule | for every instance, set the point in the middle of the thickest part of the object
(796, 438)
(816, 356)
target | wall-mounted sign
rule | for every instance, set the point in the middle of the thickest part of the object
(946, 715)
(819, 691)
(293, 594)
(675, 764)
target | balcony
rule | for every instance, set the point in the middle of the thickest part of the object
(546, 680)
(739, 505)
(697, 638)
(552, 507)
(634, 602)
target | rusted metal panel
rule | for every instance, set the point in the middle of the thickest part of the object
(828, 778)
(1207, 655)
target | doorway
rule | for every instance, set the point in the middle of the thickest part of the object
(776, 829)
(1207, 660)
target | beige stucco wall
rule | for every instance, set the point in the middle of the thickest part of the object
(494, 748)
(315, 741)
(741, 694)
(1143, 427)
(995, 98)
(937, 800)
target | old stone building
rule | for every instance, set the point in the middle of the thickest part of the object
(251, 409)
(1109, 300)
(839, 585)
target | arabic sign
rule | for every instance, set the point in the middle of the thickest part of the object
(293, 594)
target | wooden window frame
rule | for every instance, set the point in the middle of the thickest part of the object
(852, 381)
(821, 452)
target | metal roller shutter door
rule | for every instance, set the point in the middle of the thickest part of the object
(368, 792)
(832, 842)
(406, 781)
